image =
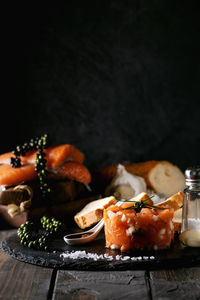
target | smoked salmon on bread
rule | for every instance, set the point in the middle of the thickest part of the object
(55, 156)
(62, 162)
(58, 169)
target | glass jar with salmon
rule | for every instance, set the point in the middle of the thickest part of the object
(127, 228)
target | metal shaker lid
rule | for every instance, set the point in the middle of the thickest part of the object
(192, 174)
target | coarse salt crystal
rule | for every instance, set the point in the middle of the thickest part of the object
(108, 257)
(152, 257)
(146, 257)
(134, 258)
(118, 257)
(125, 257)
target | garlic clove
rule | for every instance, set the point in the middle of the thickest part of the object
(190, 238)
(125, 185)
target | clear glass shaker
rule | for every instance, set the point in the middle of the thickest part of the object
(190, 229)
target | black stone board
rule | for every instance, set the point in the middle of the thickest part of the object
(176, 256)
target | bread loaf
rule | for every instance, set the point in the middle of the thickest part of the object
(161, 176)
(93, 212)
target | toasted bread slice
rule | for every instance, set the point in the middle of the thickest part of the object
(177, 220)
(93, 212)
(175, 202)
(142, 196)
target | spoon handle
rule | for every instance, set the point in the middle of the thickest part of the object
(98, 226)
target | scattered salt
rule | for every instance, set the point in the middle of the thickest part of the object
(95, 257)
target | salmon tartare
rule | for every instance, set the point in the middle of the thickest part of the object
(126, 229)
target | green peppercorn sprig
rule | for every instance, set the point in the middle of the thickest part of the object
(35, 237)
(40, 165)
(23, 149)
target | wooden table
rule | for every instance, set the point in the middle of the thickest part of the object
(20, 280)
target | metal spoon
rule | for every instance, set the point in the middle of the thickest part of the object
(85, 236)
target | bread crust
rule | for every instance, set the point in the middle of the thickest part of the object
(175, 202)
(93, 212)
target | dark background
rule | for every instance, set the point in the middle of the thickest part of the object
(118, 79)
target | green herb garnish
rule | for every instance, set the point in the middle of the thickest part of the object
(138, 205)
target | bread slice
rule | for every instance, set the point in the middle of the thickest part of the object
(175, 202)
(93, 212)
(142, 196)
(177, 220)
(162, 177)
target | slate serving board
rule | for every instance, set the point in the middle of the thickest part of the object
(176, 256)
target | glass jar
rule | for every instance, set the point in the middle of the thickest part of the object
(190, 229)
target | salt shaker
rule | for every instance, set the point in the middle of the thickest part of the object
(190, 229)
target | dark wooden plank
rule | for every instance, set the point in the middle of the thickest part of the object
(100, 285)
(182, 283)
(19, 280)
